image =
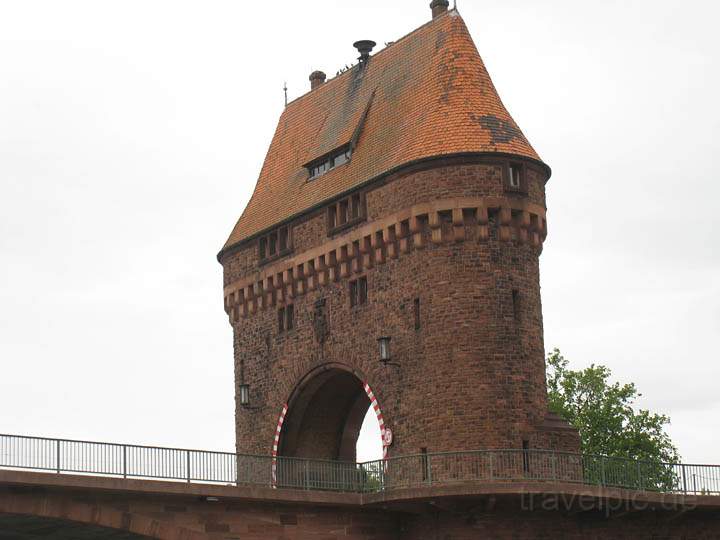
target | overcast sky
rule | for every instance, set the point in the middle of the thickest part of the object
(132, 133)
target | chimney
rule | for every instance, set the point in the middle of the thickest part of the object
(439, 7)
(317, 78)
(364, 47)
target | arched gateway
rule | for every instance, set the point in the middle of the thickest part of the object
(323, 417)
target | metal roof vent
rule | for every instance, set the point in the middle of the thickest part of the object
(364, 47)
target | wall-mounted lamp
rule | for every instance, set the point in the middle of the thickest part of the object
(384, 343)
(244, 395)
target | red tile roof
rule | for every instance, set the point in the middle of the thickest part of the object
(425, 95)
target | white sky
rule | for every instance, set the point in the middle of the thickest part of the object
(131, 135)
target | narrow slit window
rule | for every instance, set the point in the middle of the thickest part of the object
(417, 313)
(272, 241)
(343, 212)
(283, 239)
(362, 290)
(263, 248)
(516, 304)
(355, 207)
(514, 177)
(281, 320)
(353, 293)
(289, 317)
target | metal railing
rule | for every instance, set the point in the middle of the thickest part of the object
(110, 459)
(149, 462)
(543, 466)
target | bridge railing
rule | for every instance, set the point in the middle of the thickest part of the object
(539, 465)
(148, 462)
(111, 459)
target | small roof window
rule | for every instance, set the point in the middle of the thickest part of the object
(329, 162)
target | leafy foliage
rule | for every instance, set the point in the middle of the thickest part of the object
(605, 415)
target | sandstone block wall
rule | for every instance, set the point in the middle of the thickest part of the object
(447, 236)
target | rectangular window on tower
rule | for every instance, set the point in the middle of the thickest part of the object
(362, 290)
(514, 180)
(353, 293)
(343, 212)
(346, 213)
(283, 239)
(275, 244)
(281, 320)
(286, 316)
(358, 291)
(289, 317)
(516, 304)
(416, 305)
(272, 242)
(355, 206)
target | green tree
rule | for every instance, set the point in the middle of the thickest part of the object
(605, 415)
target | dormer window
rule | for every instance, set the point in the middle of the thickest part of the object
(319, 169)
(329, 162)
(341, 158)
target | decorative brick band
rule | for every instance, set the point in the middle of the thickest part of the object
(374, 243)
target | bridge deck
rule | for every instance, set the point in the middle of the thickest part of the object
(61, 507)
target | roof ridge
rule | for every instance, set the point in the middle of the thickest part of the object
(389, 45)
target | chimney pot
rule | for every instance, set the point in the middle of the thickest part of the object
(364, 47)
(439, 7)
(317, 78)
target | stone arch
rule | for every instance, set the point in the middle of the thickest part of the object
(324, 413)
(97, 516)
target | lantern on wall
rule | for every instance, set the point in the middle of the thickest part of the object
(244, 395)
(384, 343)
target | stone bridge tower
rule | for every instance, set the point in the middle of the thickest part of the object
(398, 199)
